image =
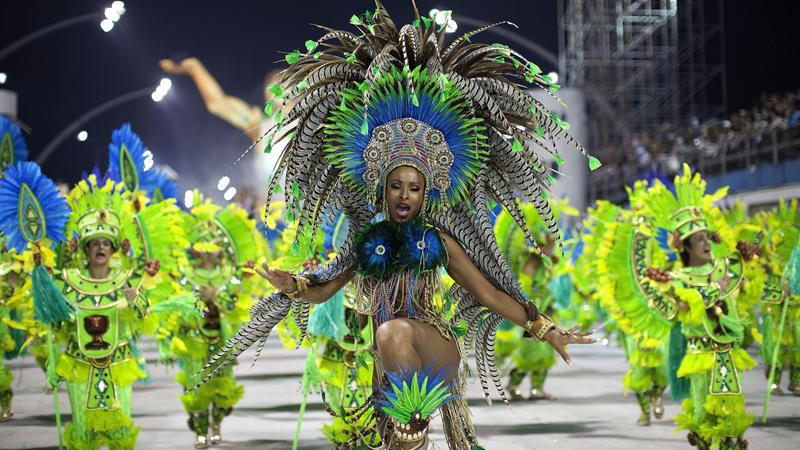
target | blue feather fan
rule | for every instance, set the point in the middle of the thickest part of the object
(126, 160)
(44, 211)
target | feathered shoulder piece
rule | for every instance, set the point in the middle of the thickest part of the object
(385, 248)
(12, 143)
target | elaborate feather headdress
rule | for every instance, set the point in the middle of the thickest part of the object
(100, 209)
(361, 105)
(683, 210)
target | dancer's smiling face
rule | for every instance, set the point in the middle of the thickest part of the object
(405, 193)
(98, 251)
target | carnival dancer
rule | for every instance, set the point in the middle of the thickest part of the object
(409, 137)
(33, 216)
(645, 341)
(105, 268)
(218, 274)
(339, 364)
(700, 292)
(781, 349)
(12, 149)
(536, 274)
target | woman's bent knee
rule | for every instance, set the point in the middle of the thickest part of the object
(394, 332)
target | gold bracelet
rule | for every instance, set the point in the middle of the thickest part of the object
(539, 327)
(301, 287)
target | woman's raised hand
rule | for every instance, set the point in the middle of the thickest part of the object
(280, 279)
(559, 339)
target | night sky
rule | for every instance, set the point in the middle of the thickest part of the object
(64, 75)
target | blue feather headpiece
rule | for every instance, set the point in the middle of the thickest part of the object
(31, 208)
(12, 143)
(126, 159)
(654, 174)
(409, 119)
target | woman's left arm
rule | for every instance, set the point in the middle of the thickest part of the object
(464, 272)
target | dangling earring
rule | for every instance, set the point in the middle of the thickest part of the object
(423, 210)
(384, 208)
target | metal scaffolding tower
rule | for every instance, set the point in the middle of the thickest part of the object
(650, 61)
(701, 60)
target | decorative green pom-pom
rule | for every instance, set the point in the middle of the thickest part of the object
(516, 146)
(276, 90)
(559, 160)
(293, 57)
(364, 127)
(311, 45)
(594, 163)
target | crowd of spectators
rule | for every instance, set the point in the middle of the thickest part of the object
(664, 149)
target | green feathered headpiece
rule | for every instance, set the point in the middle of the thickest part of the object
(99, 223)
(230, 230)
(100, 209)
(685, 211)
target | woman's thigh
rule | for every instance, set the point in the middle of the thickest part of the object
(433, 349)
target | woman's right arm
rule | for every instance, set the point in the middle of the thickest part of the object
(321, 293)
(318, 293)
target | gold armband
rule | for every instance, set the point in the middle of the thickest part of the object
(537, 324)
(539, 327)
(301, 287)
